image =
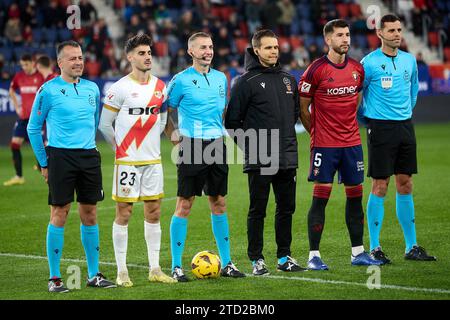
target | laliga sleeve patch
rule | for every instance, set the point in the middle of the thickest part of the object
(306, 87)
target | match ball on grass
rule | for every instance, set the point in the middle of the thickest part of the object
(206, 265)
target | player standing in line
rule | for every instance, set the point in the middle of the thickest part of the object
(27, 82)
(136, 104)
(70, 105)
(331, 85)
(390, 94)
(199, 95)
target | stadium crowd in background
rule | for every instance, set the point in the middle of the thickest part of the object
(36, 26)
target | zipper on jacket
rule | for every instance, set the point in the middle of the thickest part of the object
(75, 87)
(206, 79)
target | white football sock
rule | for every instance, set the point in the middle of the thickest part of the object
(152, 233)
(357, 250)
(120, 242)
(314, 253)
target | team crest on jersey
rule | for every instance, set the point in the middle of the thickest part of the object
(355, 75)
(158, 94)
(316, 172)
(125, 191)
(287, 83)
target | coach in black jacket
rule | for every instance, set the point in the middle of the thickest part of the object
(263, 110)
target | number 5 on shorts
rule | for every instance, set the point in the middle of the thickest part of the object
(317, 159)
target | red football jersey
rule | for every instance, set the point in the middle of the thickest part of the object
(51, 76)
(27, 85)
(334, 91)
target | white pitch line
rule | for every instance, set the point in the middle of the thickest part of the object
(316, 280)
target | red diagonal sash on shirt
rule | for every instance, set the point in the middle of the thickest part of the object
(139, 131)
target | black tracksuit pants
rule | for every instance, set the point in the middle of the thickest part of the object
(284, 186)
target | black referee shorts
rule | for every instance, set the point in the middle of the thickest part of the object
(202, 167)
(72, 170)
(391, 148)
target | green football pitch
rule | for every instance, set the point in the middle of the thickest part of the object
(24, 218)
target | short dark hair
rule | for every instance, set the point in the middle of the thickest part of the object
(26, 57)
(136, 41)
(44, 61)
(64, 44)
(388, 18)
(258, 35)
(196, 35)
(336, 23)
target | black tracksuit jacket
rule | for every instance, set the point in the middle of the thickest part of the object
(265, 98)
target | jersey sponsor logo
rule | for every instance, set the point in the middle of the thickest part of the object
(28, 89)
(143, 111)
(386, 82)
(194, 82)
(306, 87)
(342, 90)
(63, 91)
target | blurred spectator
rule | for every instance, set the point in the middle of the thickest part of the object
(14, 11)
(356, 52)
(161, 14)
(54, 15)
(419, 59)
(179, 62)
(109, 64)
(358, 25)
(29, 15)
(27, 35)
(252, 14)
(404, 8)
(270, 13)
(302, 56)
(88, 13)
(314, 52)
(287, 10)
(285, 54)
(135, 27)
(13, 31)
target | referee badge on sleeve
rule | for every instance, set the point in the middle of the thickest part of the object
(386, 82)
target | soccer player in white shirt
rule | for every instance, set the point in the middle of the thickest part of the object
(136, 104)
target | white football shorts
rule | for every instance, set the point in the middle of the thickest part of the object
(138, 183)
